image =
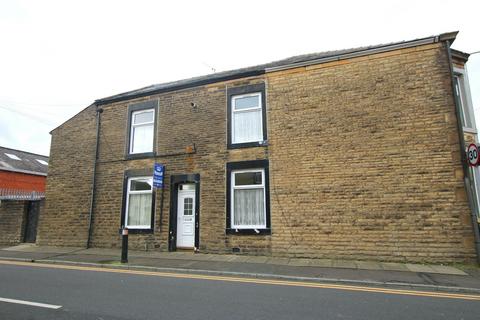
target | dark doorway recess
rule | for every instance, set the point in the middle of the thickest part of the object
(31, 221)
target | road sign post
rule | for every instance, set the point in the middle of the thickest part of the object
(124, 245)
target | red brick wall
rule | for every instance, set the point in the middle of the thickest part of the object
(22, 181)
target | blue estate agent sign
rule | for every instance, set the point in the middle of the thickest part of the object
(158, 173)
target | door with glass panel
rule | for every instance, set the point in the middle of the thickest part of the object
(186, 216)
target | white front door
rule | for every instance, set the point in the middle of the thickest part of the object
(186, 216)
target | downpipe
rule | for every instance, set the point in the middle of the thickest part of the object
(94, 176)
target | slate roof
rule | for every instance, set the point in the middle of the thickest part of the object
(27, 164)
(261, 69)
(221, 76)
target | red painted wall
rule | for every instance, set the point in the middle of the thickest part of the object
(22, 181)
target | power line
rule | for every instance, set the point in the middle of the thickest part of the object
(44, 121)
(54, 105)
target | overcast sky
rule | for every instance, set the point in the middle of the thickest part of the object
(57, 57)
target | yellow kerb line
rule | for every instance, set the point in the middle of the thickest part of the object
(253, 280)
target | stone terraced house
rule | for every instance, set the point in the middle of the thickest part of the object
(352, 154)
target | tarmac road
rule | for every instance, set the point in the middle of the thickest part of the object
(96, 293)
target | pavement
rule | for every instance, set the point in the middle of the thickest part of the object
(459, 278)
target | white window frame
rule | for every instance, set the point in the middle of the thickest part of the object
(129, 192)
(233, 187)
(465, 101)
(260, 106)
(143, 124)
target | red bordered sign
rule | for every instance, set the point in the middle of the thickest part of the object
(473, 158)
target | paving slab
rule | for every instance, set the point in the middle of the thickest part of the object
(394, 266)
(257, 259)
(420, 268)
(299, 262)
(278, 261)
(102, 251)
(239, 259)
(24, 255)
(322, 263)
(344, 264)
(31, 247)
(368, 265)
(220, 257)
(448, 270)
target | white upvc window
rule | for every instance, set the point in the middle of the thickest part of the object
(142, 131)
(247, 122)
(462, 91)
(138, 213)
(248, 209)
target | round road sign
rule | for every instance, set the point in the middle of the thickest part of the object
(472, 155)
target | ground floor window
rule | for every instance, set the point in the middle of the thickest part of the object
(139, 204)
(248, 197)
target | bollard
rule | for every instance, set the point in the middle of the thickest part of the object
(124, 245)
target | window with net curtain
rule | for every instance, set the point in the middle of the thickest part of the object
(248, 199)
(139, 203)
(247, 118)
(141, 131)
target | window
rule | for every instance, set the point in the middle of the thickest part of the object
(141, 129)
(246, 116)
(45, 163)
(12, 156)
(141, 133)
(188, 206)
(467, 118)
(475, 174)
(248, 197)
(464, 99)
(138, 213)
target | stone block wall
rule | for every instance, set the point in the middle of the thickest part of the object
(12, 215)
(363, 157)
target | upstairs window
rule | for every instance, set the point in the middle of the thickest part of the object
(463, 95)
(141, 129)
(141, 139)
(246, 116)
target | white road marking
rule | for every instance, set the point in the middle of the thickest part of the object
(30, 303)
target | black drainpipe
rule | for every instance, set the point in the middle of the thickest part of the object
(92, 195)
(467, 179)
